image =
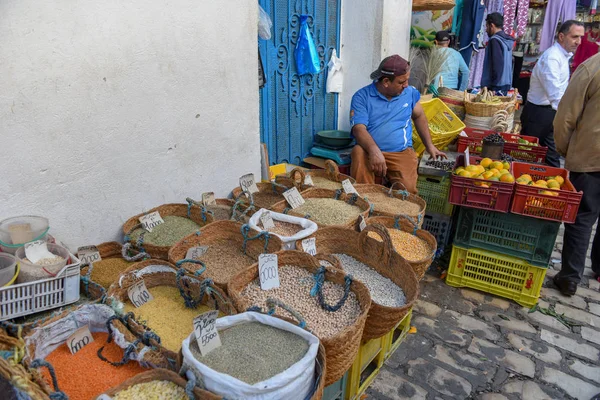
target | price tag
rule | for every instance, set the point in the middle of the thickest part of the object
(20, 233)
(293, 197)
(151, 221)
(309, 246)
(363, 224)
(139, 294)
(206, 332)
(196, 252)
(36, 251)
(247, 183)
(348, 187)
(467, 157)
(88, 254)
(79, 339)
(308, 180)
(267, 221)
(208, 199)
(268, 271)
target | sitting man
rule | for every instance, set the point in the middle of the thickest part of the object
(380, 116)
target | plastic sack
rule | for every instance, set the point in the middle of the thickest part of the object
(335, 75)
(307, 58)
(294, 383)
(289, 242)
(264, 24)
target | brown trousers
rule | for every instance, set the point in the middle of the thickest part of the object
(401, 167)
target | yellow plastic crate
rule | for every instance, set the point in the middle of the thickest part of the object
(365, 368)
(395, 337)
(441, 116)
(497, 274)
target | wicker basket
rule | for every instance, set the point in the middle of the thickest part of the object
(455, 100)
(478, 109)
(379, 257)
(426, 5)
(27, 382)
(403, 224)
(196, 214)
(297, 176)
(224, 210)
(340, 349)
(402, 194)
(267, 195)
(283, 206)
(228, 233)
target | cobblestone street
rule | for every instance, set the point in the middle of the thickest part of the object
(472, 345)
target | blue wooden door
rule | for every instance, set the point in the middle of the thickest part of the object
(293, 108)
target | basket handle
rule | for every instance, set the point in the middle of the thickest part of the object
(400, 184)
(331, 259)
(298, 177)
(57, 394)
(414, 223)
(272, 303)
(332, 169)
(381, 230)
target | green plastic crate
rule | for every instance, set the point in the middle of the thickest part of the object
(337, 390)
(434, 190)
(530, 239)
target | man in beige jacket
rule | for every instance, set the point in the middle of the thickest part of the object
(577, 137)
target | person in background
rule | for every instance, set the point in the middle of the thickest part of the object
(498, 62)
(549, 80)
(589, 46)
(577, 136)
(455, 73)
(381, 115)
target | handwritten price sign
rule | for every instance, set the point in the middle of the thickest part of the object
(206, 333)
(151, 221)
(139, 294)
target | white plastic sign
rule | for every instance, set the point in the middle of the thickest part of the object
(208, 199)
(79, 339)
(206, 332)
(267, 221)
(308, 180)
(293, 197)
(36, 251)
(348, 187)
(467, 157)
(309, 246)
(196, 252)
(151, 221)
(88, 254)
(363, 224)
(139, 294)
(248, 184)
(268, 272)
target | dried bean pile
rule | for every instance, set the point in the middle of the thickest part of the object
(294, 290)
(285, 229)
(223, 260)
(154, 390)
(383, 291)
(46, 261)
(172, 231)
(393, 205)
(409, 246)
(167, 315)
(324, 183)
(329, 211)
(107, 270)
(253, 352)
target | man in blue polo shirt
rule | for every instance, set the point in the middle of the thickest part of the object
(380, 115)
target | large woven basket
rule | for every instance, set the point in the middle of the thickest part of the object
(478, 109)
(380, 257)
(419, 267)
(27, 382)
(454, 99)
(267, 195)
(224, 210)
(196, 214)
(401, 194)
(426, 5)
(297, 175)
(228, 233)
(161, 374)
(283, 206)
(340, 349)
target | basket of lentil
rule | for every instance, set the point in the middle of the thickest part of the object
(309, 288)
(16, 383)
(178, 298)
(390, 279)
(328, 178)
(158, 382)
(114, 355)
(260, 357)
(389, 202)
(180, 220)
(268, 194)
(328, 208)
(286, 227)
(225, 247)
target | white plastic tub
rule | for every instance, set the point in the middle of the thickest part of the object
(16, 231)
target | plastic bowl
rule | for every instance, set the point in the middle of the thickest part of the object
(32, 272)
(335, 138)
(32, 228)
(8, 266)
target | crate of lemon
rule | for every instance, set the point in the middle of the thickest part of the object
(484, 184)
(545, 192)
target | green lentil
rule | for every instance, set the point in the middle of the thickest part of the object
(106, 271)
(393, 205)
(328, 211)
(155, 390)
(172, 231)
(324, 183)
(253, 352)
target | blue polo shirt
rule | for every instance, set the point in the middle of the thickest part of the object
(388, 121)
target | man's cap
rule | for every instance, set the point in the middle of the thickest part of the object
(442, 36)
(391, 67)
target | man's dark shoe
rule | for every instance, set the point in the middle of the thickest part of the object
(568, 288)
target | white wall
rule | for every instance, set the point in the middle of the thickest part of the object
(110, 108)
(371, 30)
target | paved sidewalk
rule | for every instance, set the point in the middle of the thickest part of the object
(470, 345)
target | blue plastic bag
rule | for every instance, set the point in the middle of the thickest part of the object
(307, 58)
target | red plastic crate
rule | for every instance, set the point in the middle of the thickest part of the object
(529, 201)
(467, 192)
(534, 154)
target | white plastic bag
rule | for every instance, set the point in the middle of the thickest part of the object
(289, 242)
(335, 74)
(264, 24)
(294, 383)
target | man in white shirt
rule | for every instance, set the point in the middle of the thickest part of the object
(549, 81)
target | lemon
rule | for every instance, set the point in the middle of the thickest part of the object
(560, 180)
(497, 165)
(526, 177)
(508, 178)
(485, 163)
(464, 173)
(553, 184)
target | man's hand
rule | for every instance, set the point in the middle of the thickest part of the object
(434, 153)
(377, 162)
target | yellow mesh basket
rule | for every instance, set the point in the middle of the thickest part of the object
(444, 125)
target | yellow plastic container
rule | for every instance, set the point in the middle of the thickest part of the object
(438, 115)
(365, 368)
(497, 274)
(279, 169)
(394, 338)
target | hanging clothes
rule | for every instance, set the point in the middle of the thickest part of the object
(476, 68)
(556, 10)
(457, 17)
(515, 10)
(472, 17)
